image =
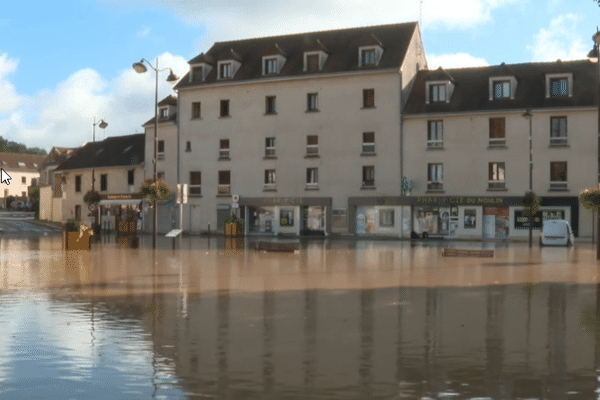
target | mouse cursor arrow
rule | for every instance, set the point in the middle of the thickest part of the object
(4, 177)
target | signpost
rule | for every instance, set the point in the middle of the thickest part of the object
(182, 198)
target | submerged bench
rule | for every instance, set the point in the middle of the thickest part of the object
(467, 253)
(278, 247)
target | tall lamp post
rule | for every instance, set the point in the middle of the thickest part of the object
(529, 116)
(102, 125)
(140, 68)
(595, 53)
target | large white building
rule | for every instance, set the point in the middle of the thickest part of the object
(296, 125)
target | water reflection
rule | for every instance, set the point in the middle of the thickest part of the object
(386, 320)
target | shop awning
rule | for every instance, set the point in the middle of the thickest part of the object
(120, 202)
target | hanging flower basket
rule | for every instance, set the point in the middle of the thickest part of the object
(155, 191)
(590, 199)
(91, 197)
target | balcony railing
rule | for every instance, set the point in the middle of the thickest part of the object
(435, 143)
(435, 186)
(496, 185)
(558, 185)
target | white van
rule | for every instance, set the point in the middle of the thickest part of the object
(556, 232)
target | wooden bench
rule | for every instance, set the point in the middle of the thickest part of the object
(467, 253)
(278, 247)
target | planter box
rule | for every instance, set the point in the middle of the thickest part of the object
(233, 230)
(127, 228)
(73, 241)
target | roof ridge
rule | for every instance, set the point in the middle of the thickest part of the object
(315, 32)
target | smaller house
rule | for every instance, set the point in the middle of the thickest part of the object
(50, 206)
(24, 170)
(113, 167)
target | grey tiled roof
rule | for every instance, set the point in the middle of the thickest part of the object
(340, 45)
(471, 90)
(114, 151)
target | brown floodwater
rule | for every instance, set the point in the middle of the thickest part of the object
(335, 320)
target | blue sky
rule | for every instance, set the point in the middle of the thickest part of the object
(63, 63)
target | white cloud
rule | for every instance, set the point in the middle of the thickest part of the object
(240, 19)
(143, 33)
(10, 99)
(559, 41)
(63, 116)
(456, 60)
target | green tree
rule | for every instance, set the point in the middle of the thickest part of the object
(531, 205)
(34, 195)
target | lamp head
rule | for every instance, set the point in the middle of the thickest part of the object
(103, 124)
(172, 78)
(528, 114)
(596, 37)
(139, 67)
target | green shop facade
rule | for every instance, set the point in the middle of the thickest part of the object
(487, 217)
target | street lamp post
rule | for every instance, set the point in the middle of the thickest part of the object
(102, 125)
(529, 116)
(595, 53)
(140, 68)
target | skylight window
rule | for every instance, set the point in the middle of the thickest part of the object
(35, 165)
(127, 149)
(99, 151)
(21, 164)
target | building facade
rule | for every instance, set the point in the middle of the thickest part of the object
(284, 130)
(24, 170)
(113, 167)
(467, 147)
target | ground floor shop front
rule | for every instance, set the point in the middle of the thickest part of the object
(466, 217)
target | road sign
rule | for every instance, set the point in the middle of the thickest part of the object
(185, 193)
(182, 193)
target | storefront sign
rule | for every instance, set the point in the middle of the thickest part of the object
(460, 200)
(283, 200)
(131, 196)
(521, 221)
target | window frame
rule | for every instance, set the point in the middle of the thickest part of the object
(224, 109)
(368, 61)
(270, 105)
(194, 73)
(131, 177)
(368, 98)
(224, 149)
(493, 129)
(498, 169)
(435, 176)
(368, 176)
(435, 137)
(368, 147)
(312, 149)
(312, 102)
(160, 154)
(557, 184)
(308, 65)
(560, 139)
(504, 85)
(224, 182)
(270, 178)
(435, 93)
(104, 182)
(225, 70)
(558, 79)
(312, 177)
(271, 66)
(77, 183)
(163, 113)
(270, 147)
(195, 185)
(196, 110)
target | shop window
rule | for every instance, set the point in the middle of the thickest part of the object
(470, 218)
(558, 131)
(435, 177)
(386, 218)
(435, 134)
(224, 182)
(368, 175)
(496, 175)
(195, 188)
(368, 145)
(286, 217)
(224, 148)
(78, 183)
(497, 131)
(558, 175)
(339, 219)
(270, 147)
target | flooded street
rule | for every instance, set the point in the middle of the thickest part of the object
(336, 320)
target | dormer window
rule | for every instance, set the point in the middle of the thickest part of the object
(21, 164)
(559, 85)
(225, 70)
(312, 63)
(437, 93)
(271, 66)
(369, 55)
(501, 89)
(164, 113)
(197, 75)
